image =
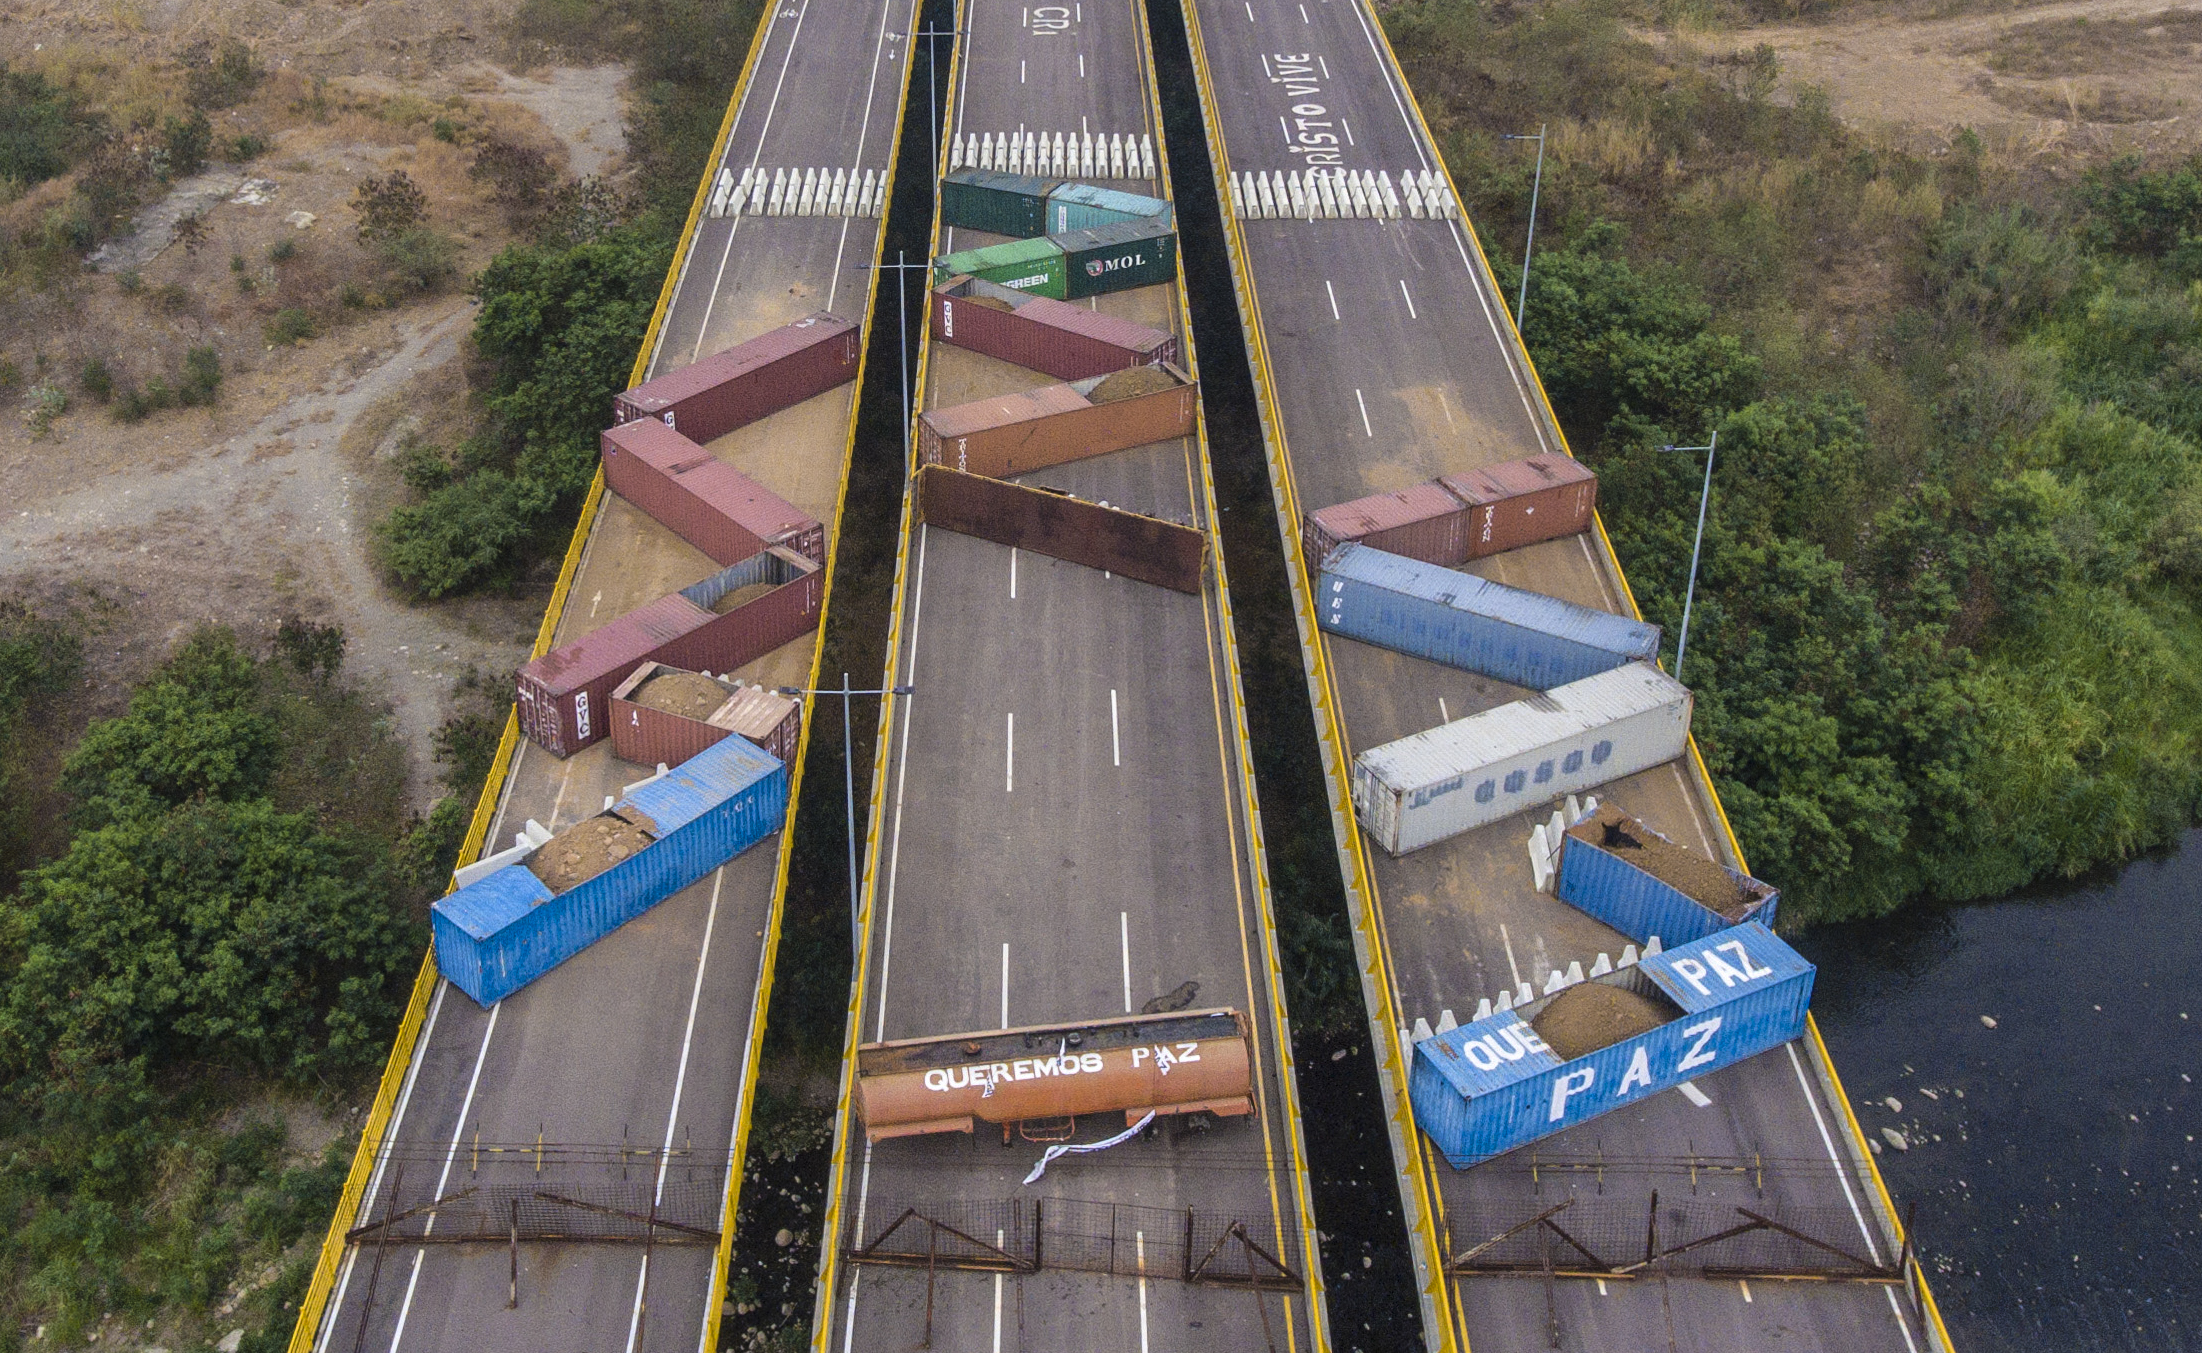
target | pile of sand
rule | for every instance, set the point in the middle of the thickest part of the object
(987, 302)
(740, 596)
(1130, 384)
(690, 694)
(1592, 1015)
(586, 849)
(1670, 862)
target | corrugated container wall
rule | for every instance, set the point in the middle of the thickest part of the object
(499, 934)
(1010, 434)
(1489, 1087)
(1082, 206)
(1472, 623)
(1033, 266)
(739, 385)
(1423, 522)
(1521, 502)
(1117, 258)
(702, 499)
(1068, 342)
(1639, 904)
(1465, 774)
(1015, 205)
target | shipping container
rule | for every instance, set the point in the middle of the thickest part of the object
(1068, 342)
(1007, 435)
(500, 933)
(1015, 205)
(1521, 502)
(564, 695)
(1462, 775)
(1034, 266)
(1199, 1061)
(1117, 257)
(1506, 633)
(1488, 1087)
(1424, 522)
(739, 385)
(1643, 884)
(702, 499)
(651, 731)
(1082, 206)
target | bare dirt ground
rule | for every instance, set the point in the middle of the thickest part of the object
(263, 506)
(2123, 73)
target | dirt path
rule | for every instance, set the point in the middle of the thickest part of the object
(2125, 68)
(268, 522)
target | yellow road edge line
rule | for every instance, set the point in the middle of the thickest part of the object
(1373, 961)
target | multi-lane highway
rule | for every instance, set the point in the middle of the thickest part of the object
(615, 1089)
(1383, 356)
(1063, 829)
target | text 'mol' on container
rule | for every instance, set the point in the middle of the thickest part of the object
(1458, 776)
(1507, 633)
(1499, 1083)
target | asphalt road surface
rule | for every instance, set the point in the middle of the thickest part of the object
(1063, 834)
(619, 1079)
(1390, 361)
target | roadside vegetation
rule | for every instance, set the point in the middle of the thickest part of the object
(1945, 640)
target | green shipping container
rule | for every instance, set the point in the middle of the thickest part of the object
(1033, 266)
(1082, 206)
(1000, 204)
(1116, 258)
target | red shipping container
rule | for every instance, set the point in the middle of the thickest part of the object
(651, 736)
(1068, 342)
(565, 695)
(1521, 502)
(738, 386)
(1424, 522)
(702, 499)
(1010, 434)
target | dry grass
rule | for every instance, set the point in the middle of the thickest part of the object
(2080, 45)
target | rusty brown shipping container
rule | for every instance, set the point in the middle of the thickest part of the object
(702, 499)
(1522, 502)
(1053, 523)
(738, 386)
(1200, 1061)
(565, 695)
(1010, 434)
(1068, 342)
(1424, 522)
(652, 736)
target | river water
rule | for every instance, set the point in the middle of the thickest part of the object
(2052, 1156)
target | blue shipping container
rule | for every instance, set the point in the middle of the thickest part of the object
(1485, 1088)
(500, 933)
(1638, 903)
(1081, 206)
(1472, 623)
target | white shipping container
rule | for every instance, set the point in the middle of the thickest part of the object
(1462, 775)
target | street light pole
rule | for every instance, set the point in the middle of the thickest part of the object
(848, 784)
(1705, 495)
(1536, 186)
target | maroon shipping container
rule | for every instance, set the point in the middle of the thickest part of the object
(702, 499)
(1522, 502)
(565, 695)
(1424, 522)
(1010, 434)
(658, 737)
(742, 384)
(1068, 342)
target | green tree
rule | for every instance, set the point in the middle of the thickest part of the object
(196, 729)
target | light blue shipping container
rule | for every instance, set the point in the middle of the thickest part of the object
(1081, 206)
(1486, 1088)
(500, 933)
(1472, 623)
(1640, 905)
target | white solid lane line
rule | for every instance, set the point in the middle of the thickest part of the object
(457, 1129)
(1364, 411)
(1328, 291)
(902, 779)
(1013, 573)
(1005, 984)
(1139, 1238)
(1842, 1173)
(1410, 299)
(1124, 937)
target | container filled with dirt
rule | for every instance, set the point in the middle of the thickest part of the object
(689, 694)
(586, 849)
(1704, 881)
(1139, 380)
(1592, 1015)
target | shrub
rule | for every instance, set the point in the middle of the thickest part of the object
(44, 129)
(96, 380)
(388, 206)
(131, 281)
(461, 535)
(445, 130)
(283, 251)
(185, 142)
(421, 257)
(247, 146)
(42, 404)
(218, 77)
(289, 326)
(202, 377)
(424, 467)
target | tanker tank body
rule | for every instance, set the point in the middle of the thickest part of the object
(1384, 357)
(1063, 843)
